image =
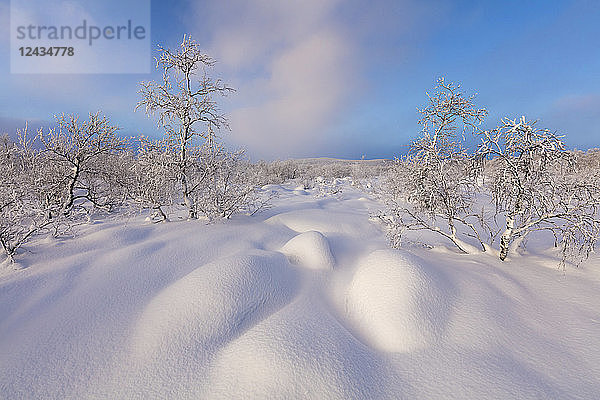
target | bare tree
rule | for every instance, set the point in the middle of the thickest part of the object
(22, 213)
(435, 182)
(77, 164)
(535, 189)
(186, 107)
(227, 184)
(10, 197)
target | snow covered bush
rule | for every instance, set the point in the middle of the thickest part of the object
(533, 183)
(17, 219)
(369, 169)
(334, 170)
(152, 182)
(277, 172)
(78, 166)
(536, 186)
(434, 187)
(221, 183)
(57, 177)
(23, 203)
(326, 168)
(227, 184)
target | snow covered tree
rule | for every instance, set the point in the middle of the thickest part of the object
(22, 211)
(186, 107)
(11, 198)
(76, 165)
(436, 182)
(535, 187)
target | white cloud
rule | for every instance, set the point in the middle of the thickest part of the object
(292, 68)
(308, 83)
(247, 32)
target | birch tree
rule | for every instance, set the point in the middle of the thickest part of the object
(75, 165)
(186, 107)
(433, 188)
(536, 187)
(22, 211)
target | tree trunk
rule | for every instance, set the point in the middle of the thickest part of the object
(159, 211)
(189, 203)
(8, 251)
(183, 158)
(453, 237)
(73, 181)
(506, 237)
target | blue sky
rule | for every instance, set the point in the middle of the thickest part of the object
(343, 78)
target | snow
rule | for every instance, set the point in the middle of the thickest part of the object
(305, 300)
(397, 301)
(310, 249)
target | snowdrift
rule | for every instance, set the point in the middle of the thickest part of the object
(398, 303)
(304, 301)
(309, 249)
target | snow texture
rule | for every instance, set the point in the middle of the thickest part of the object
(303, 301)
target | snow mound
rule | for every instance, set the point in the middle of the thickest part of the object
(396, 303)
(186, 310)
(300, 352)
(309, 249)
(214, 303)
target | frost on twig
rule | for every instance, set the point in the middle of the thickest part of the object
(536, 185)
(433, 188)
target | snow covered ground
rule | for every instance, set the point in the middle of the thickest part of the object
(305, 300)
